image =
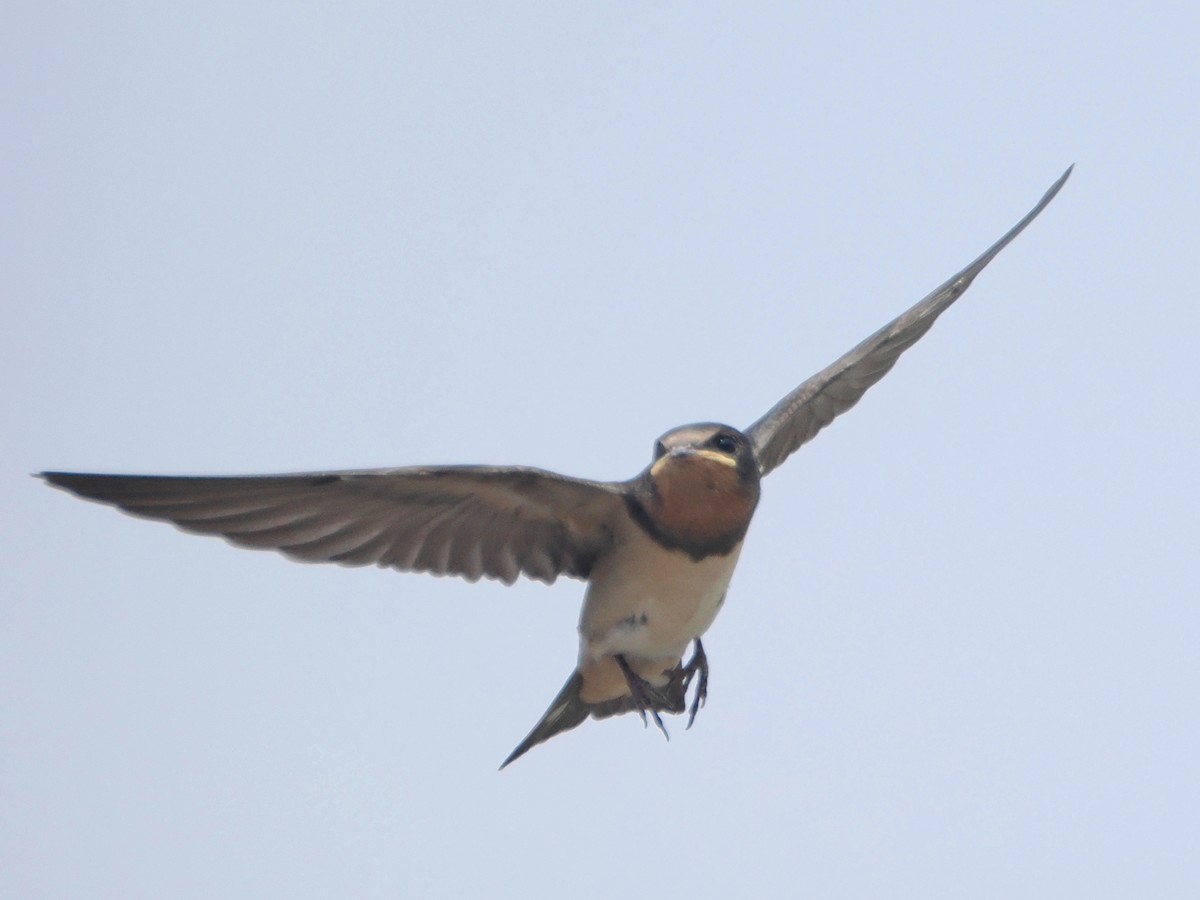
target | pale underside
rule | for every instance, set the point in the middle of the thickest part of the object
(646, 603)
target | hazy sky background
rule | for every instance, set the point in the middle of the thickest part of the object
(959, 658)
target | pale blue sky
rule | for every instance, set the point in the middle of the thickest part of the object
(959, 658)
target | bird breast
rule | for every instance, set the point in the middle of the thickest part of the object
(647, 603)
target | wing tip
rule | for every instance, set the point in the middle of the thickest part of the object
(1057, 186)
(56, 479)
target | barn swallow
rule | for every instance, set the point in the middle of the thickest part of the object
(657, 551)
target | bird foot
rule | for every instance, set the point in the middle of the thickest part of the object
(697, 665)
(646, 697)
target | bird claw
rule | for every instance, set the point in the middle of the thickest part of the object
(646, 697)
(697, 665)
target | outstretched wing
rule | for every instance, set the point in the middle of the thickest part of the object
(798, 417)
(473, 521)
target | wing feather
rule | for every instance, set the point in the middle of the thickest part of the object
(797, 418)
(471, 521)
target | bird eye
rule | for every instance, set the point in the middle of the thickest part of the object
(726, 443)
(660, 450)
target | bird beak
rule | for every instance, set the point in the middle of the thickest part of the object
(685, 452)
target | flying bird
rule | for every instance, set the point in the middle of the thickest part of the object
(657, 551)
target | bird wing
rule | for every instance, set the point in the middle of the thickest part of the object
(473, 521)
(798, 417)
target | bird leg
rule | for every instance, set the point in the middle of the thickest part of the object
(698, 664)
(646, 698)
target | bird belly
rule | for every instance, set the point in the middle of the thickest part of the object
(647, 603)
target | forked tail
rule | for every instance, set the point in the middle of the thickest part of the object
(568, 710)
